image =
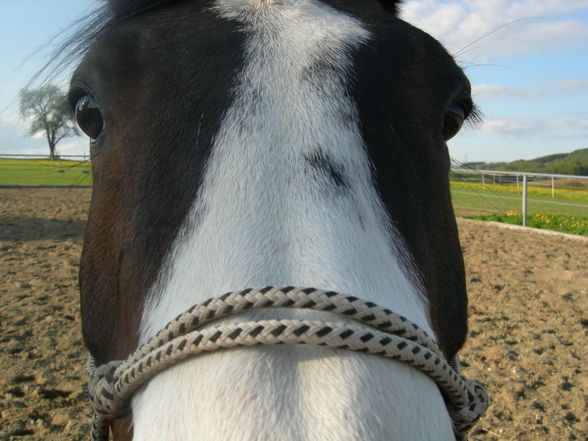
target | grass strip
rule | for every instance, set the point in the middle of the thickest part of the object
(563, 224)
(44, 172)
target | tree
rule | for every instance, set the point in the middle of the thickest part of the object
(48, 113)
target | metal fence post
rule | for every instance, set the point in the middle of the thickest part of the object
(524, 200)
(552, 187)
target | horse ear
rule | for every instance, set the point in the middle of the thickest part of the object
(391, 5)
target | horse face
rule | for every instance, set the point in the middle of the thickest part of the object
(165, 82)
(161, 95)
(406, 119)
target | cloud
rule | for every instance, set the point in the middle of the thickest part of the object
(535, 127)
(505, 93)
(13, 131)
(29, 147)
(15, 139)
(575, 113)
(497, 92)
(75, 146)
(484, 30)
(574, 85)
(10, 121)
(565, 124)
(511, 127)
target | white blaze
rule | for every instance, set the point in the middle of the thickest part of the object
(265, 216)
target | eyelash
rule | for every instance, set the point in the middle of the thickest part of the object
(474, 118)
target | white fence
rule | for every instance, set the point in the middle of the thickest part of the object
(24, 156)
(491, 182)
(474, 192)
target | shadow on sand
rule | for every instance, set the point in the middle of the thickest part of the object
(24, 229)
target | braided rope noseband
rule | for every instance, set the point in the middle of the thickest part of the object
(378, 331)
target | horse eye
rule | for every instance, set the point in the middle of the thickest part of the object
(453, 121)
(89, 116)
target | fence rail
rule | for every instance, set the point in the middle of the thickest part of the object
(474, 192)
(41, 170)
(481, 173)
(34, 156)
(498, 192)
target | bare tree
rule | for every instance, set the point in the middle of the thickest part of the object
(48, 113)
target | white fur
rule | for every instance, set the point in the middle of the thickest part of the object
(265, 217)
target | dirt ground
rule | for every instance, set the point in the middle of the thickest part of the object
(527, 342)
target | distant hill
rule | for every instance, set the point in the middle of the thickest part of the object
(574, 163)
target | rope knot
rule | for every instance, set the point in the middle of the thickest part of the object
(101, 389)
(466, 417)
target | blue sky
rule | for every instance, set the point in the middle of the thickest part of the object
(530, 76)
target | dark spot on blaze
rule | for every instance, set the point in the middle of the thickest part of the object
(319, 68)
(324, 166)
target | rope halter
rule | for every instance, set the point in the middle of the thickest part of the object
(376, 331)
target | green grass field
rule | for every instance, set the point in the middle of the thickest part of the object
(500, 199)
(567, 211)
(564, 224)
(44, 172)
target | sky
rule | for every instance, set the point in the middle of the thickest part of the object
(527, 61)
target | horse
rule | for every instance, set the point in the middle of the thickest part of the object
(251, 143)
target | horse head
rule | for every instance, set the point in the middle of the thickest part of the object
(245, 143)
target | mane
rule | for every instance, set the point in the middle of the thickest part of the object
(89, 28)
